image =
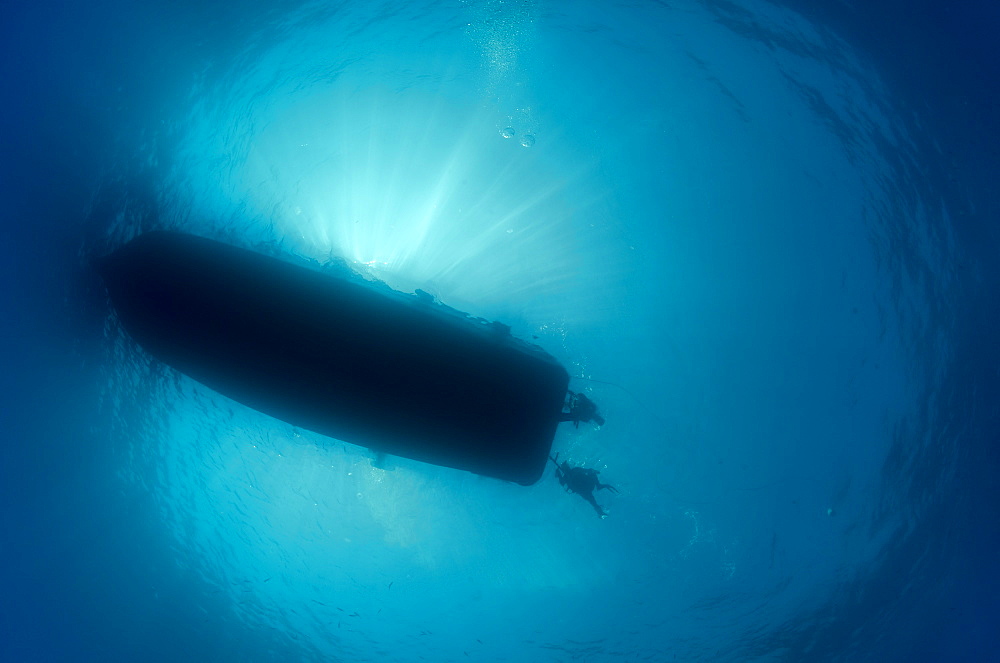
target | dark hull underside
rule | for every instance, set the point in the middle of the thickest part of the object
(395, 373)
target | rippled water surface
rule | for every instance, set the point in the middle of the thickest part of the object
(739, 225)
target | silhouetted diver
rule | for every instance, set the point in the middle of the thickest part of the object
(581, 408)
(582, 481)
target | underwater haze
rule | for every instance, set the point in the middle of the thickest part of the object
(761, 235)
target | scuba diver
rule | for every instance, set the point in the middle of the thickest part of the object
(581, 408)
(582, 481)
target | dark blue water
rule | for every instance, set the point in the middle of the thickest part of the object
(762, 236)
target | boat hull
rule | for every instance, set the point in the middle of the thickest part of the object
(395, 373)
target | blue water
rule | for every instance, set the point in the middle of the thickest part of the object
(761, 235)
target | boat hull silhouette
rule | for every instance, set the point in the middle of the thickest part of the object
(399, 374)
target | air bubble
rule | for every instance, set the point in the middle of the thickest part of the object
(528, 140)
(507, 132)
